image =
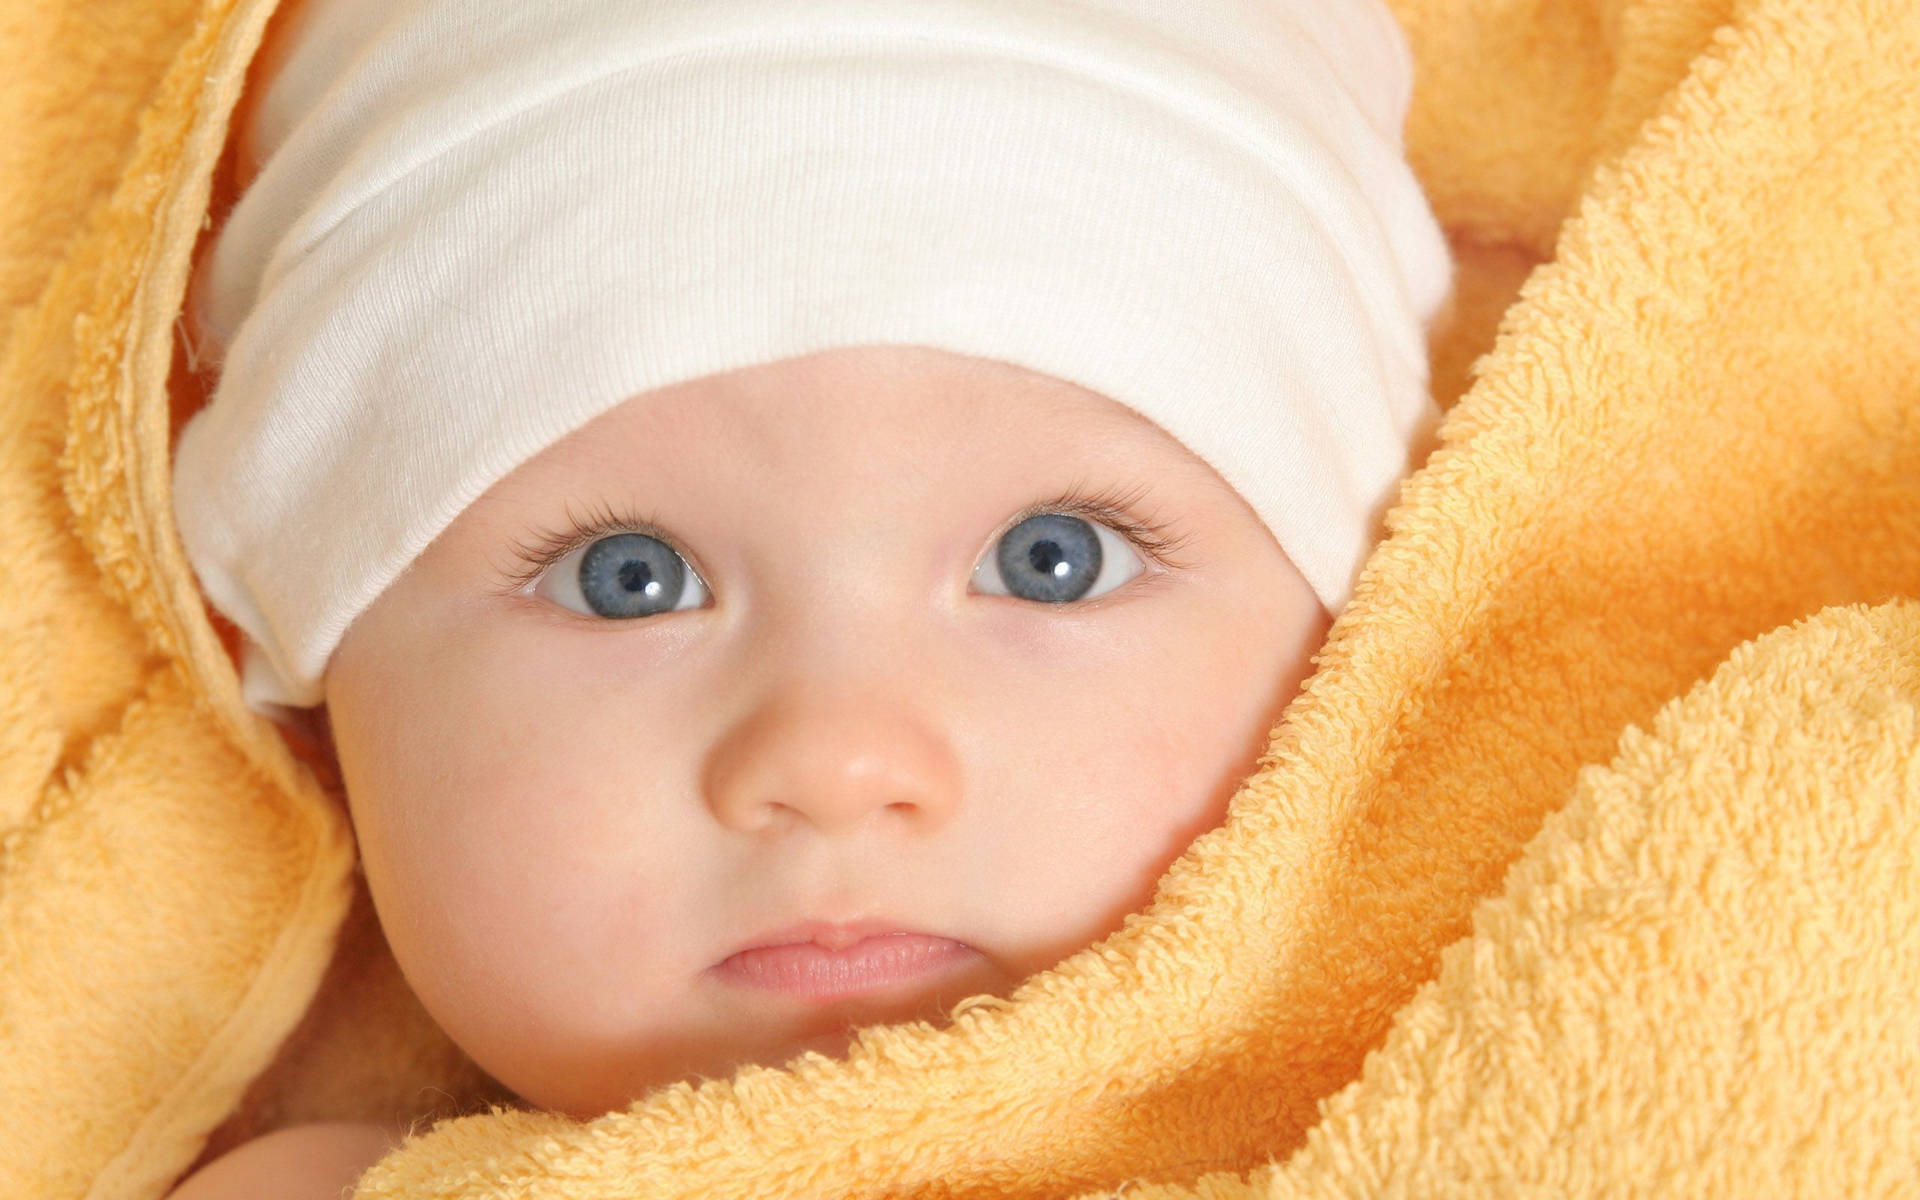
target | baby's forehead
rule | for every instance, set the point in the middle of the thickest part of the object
(935, 399)
(863, 427)
(934, 406)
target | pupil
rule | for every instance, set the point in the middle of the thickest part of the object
(1046, 557)
(635, 575)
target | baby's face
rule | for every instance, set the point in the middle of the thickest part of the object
(853, 691)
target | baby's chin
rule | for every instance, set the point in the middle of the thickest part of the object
(833, 1044)
(834, 1035)
(613, 1097)
(600, 1083)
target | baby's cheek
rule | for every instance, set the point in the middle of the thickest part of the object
(510, 843)
(492, 896)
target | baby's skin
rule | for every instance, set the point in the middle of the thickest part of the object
(949, 658)
(304, 1162)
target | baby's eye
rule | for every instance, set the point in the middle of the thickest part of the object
(1056, 558)
(625, 575)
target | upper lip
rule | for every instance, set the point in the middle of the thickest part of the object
(832, 935)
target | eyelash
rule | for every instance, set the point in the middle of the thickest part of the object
(1114, 507)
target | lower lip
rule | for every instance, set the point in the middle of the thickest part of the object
(817, 973)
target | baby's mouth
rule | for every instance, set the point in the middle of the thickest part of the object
(837, 962)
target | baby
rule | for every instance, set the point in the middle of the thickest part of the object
(790, 513)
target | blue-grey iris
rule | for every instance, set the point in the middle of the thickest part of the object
(631, 575)
(1051, 557)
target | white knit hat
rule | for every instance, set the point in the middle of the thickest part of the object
(478, 224)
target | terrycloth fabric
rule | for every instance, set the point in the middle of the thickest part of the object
(562, 192)
(1586, 865)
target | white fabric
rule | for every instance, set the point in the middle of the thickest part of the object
(480, 223)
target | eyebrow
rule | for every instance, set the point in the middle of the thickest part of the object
(1133, 421)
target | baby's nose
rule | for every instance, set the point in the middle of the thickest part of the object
(831, 762)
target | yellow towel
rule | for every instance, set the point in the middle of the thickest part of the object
(1587, 864)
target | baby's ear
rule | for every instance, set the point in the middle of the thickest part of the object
(308, 732)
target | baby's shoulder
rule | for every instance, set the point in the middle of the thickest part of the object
(300, 1162)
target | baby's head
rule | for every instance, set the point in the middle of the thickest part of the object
(871, 691)
(788, 472)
